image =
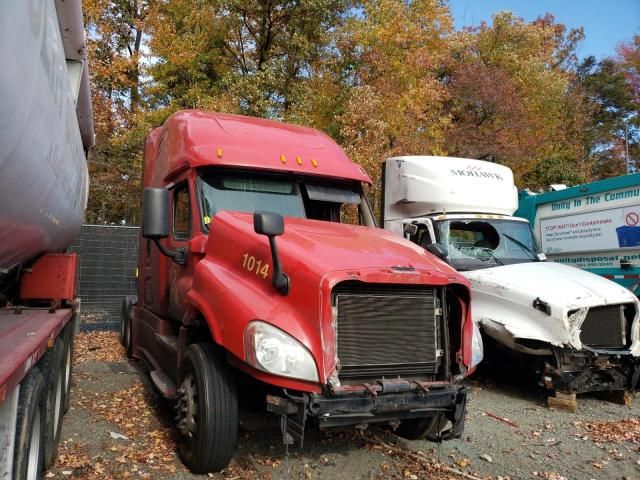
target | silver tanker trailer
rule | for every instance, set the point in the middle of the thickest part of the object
(46, 129)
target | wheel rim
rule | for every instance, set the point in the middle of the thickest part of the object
(57, 408)
(188, 407)
(34, 447)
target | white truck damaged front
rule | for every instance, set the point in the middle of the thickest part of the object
(580, 331)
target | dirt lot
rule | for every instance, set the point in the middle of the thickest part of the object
(118, 428)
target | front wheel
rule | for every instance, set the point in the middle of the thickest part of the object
(126, 329)
(421, 428)
(207, 411)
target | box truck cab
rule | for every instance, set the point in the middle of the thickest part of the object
(594, 226)
(581, 330)
(264, 283)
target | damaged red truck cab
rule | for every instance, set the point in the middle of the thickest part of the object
(265, 284)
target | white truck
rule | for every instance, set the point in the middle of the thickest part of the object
(579, 330)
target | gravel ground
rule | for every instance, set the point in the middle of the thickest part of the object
(112, 397)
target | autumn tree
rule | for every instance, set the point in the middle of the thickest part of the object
(115, 34)
(512, 98)
(629, 61)
(391, 55)
(246, 56)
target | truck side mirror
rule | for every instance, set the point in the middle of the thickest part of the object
(438, 250)
(155, 221)
(272, 225)
(268, 223)
(155, 211)
(410, 229)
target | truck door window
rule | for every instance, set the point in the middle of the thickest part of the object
(181, 212)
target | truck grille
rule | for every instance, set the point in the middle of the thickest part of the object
(386, 331)
(606, 327)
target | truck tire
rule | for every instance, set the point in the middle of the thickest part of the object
(126, 329)
(123, 315)
(207, 410)
(52, 367)
(69, 338)
(29, 442)
(422, 428)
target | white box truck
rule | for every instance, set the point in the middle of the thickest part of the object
(580, 331)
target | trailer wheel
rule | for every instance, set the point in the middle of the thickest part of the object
(29, 443)
(52, 367)
(421, 428)
(69, 337)
(207, 411)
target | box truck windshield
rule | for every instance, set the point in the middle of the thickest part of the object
(289, 196)
(473, 244)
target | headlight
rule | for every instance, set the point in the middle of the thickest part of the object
(477, 348)
(270, 349)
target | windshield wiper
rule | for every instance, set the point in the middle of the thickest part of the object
(490, 252)
(522, 245)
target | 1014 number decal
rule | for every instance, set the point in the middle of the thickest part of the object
(251, 263)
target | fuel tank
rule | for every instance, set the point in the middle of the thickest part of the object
(45, 127)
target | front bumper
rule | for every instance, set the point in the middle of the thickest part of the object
(352, 407)
(582, 371)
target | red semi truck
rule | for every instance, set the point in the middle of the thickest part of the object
(45, 131)
(265, 284)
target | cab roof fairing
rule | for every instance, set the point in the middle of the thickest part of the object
(195, 139)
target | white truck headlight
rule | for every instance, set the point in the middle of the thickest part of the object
(269, 349)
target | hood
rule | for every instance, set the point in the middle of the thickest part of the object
(313, 249)
(503, 299)
(563, 287)
(233, 278)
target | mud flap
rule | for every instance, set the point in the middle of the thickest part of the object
(293, 416)
(457, 417)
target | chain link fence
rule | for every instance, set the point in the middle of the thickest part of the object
(108, 258)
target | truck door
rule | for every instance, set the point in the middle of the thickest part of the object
(179, 275)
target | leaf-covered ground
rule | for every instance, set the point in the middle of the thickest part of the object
(118, 427)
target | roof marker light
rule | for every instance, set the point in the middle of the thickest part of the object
(314, 162)
(219, 153)
(283, 159)
(299, 160)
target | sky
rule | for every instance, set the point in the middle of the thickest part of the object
(605, 22)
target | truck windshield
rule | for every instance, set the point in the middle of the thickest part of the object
(473, 243)
(288, 196)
